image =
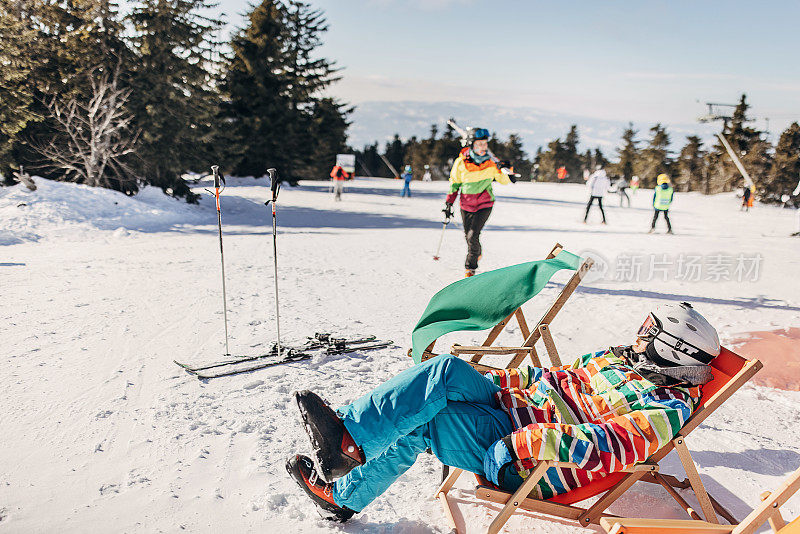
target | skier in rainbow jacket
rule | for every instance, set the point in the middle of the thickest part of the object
(472, 174)
(605, 412)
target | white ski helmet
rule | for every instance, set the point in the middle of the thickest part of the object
(678, 335)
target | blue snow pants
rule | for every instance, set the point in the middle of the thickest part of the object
(443, 404)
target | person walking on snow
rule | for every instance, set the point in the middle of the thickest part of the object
(426, 177)
(597, 184)
(747, 197)
(339, 175)
(622, 190)
(662, 200)
(407, 177)
(501, 423)
(472, 174)
(794, 194)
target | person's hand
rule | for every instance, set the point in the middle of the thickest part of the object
(496, 459)
(448, 211)
(504, 164)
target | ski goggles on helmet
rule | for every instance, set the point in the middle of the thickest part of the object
(651, 329)
(480, 133)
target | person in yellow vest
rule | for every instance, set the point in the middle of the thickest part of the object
(662, 200)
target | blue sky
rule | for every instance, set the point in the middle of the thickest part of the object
(620, 60)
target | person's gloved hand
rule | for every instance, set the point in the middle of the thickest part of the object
(495, 461)
(448, 210)
(504, 164)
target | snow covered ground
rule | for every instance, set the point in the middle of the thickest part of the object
(100, 292)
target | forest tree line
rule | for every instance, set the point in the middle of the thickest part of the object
(695, 166)
(92, 95)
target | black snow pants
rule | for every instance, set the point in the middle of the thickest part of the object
(473, 224)
(666, 218)
(589, 205)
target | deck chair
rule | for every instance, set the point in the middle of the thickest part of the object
(768, 510)
(530, 337)
(730, 372)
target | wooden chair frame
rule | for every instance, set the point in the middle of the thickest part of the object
(768, 510)
(646, 472)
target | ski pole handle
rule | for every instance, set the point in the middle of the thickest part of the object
(274, 185)
(215, 172)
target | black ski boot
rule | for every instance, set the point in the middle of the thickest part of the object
(301, 468)
(337, 454)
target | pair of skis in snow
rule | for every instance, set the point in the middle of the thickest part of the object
(277, 355)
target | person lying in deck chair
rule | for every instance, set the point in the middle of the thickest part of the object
(605, 412)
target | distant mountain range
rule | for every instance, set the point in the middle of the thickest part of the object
(379, 121)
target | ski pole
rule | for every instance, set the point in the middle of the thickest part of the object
(274, 186)
(217, 179)
(441, 238)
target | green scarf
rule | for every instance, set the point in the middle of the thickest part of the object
(482, 301)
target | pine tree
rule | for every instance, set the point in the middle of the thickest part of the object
(723, 173)
(587, 161)
(257, 108)
(306, 77)
(513, 152)
(551, 159)
(329, 132)
(274, 86)
(628, 154)
(395, 152)
(174, 99)
(17, 55)
(572, 160)
(371, 161)
(599, 158)
(785, 172)
(691, 166)
(653, 159)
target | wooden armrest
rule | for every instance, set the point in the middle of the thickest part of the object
(480, 349)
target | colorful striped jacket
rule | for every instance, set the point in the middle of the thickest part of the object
(474, 181)
(598, 413)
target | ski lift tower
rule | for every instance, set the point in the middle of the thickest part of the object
(716, 112)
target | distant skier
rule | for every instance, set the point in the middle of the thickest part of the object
(407, 177)
(747, 197)
(338, 175)
(622, 191)
(598, 184)
(426, 177)
(634, 185)
(662, 200)
(794, 194)
(472, 174)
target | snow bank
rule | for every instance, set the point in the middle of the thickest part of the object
(62, 209)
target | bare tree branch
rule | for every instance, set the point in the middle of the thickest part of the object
(94, 136)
